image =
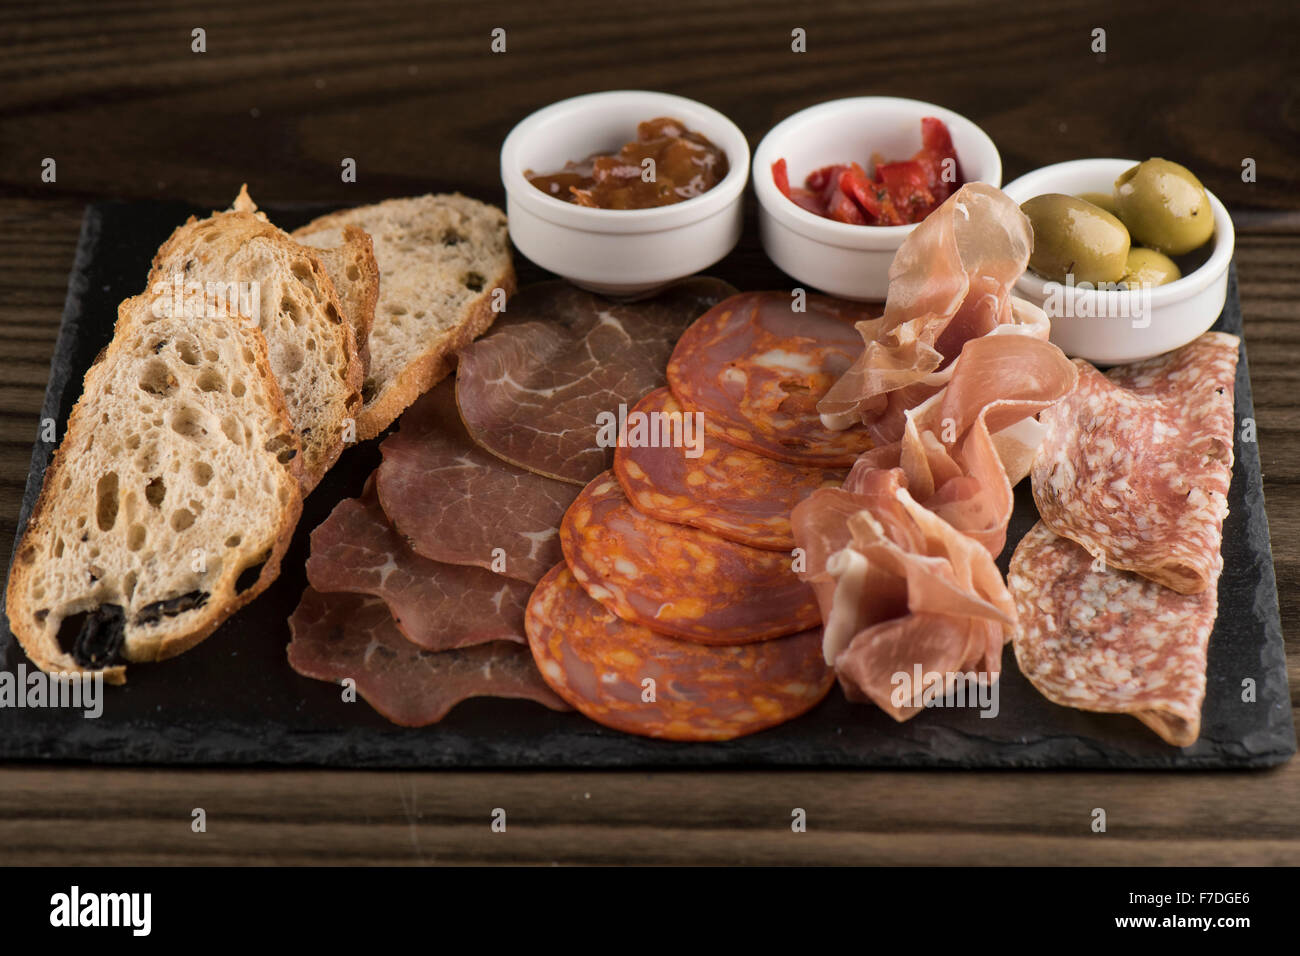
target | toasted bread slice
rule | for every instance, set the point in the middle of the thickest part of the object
(169, 502)
(313, 350)
(441, 260)
(351, 267)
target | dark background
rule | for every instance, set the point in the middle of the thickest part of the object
(286, 90)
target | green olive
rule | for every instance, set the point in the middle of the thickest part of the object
(1105, 200)
(1165, 207)
(1148, 267)
(1073, 237)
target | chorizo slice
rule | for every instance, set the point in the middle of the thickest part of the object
(757, 368)
(631, 679)
(707, 483)
(678, 580)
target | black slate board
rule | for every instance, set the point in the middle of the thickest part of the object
(234, 699)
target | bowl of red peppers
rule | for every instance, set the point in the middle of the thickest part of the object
(841, 184)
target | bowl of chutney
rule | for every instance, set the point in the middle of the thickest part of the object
(625, 191)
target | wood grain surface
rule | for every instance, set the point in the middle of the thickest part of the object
(288, 88)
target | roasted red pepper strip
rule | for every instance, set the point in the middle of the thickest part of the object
(873, 198)
(781, 176)
(907, 185)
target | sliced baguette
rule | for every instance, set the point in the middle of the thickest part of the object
(441, 258)
(351, 267)
(169, 502)
(313, 350)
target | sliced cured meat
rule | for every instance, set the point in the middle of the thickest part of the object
(901, 590)
(710, 484)
(950, 282)
(756, 369)
(437, 606)
(604, 666)
(1110, 641)
(1136, 463)
(961, 452)
(336, 636)
(457, 504)
(678, 580)
(538, 392)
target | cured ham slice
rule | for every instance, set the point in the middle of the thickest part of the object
(901, 592)
(634, 680)
(1110, 641)
(950, 282)
(756, 369)
(961, 450)
(336, 636)
(734, 493)
(437, 606)
(678, 580)
(1136, 463)
(533, 391)
(458, 504)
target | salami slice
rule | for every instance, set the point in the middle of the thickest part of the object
(677, 580)
(537, 392)
(437, 606)
(458, 504)
(1110, 641)
(1136, 463)
(756, 369)
(603, 666)
(710, 484)
(336, 636)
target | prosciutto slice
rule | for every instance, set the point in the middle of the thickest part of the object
(964, 448)
(950, 282)
(458, 504)
(900, 591)
(532, 392)
(1136, 463)
(437, 606)
(336, 636)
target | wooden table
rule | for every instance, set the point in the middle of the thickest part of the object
(287, 90)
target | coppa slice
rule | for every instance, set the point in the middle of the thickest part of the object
(756, 369)
(600, 664)
(1110, 641)
(336, 636)
(734, 493)
(438, 606)
(678, 580)
(1136, 463)
(534, 392)
(458, 504)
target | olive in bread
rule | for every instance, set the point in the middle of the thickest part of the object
(169, 502)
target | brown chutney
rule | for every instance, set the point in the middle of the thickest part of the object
(685, 165)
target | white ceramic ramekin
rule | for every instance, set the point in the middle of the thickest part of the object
(621, 252)
(1111, 327)
(836, 257)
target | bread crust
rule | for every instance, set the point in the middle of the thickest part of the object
(41, 645)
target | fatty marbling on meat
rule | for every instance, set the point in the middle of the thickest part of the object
(756, 369)
(559, 357)
(437, 606)
(458, 504)
(629, 678)
(338, 636)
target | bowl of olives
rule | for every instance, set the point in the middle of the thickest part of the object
(1130, 258)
